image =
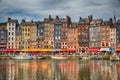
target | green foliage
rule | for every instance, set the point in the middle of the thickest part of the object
(3, 23)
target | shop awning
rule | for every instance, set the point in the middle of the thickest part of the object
(3, 50)
(12, 50)
(117, 49)
(69, 49)
(35, 50)
(54, 50)
(93, 49)
(105, 49)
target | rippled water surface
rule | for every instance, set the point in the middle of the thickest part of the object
(59, 70)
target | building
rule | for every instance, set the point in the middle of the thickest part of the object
(83, 34)
(66, 22)
(49, 32)
(57, 33)
(29, 35)
(3, 38)
(94, 35)
(118, 36)
(11, 28)
(18, 37)
(105, 36)
(72, 38)
(40, 34)
(112, 35)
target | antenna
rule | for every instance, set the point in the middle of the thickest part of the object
(114, 18)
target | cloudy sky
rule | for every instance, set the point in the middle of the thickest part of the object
(39, 9)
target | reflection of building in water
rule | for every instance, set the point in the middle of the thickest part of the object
(94, 70)
(44, 71)
(65, 69)
(69, 69)
(108, 71)
(10, 70)
(84, 73)
(118, 71)
(56, 70)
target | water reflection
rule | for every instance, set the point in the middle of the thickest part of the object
(59, 70)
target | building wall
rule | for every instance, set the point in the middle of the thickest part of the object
(3, 38)
(49, 35)
(83, 36)
(33, 36)
(29, 35)
(64, 37)
(105, 35)
(40, 35)
(113, 37)
(57, 35)
(118, 35)
(94, 36)
(11, 28)
(72, 38)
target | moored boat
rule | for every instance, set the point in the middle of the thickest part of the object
(114, 58)
(40, 57)
(85, 57)
(95, 58)
(59, 57)
(21, 57)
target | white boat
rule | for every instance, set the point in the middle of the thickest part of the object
(21, 57)
(85, 58)
(114, 57)
(59, 57)
(40, 57)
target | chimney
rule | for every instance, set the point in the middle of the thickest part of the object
(57, 18)
(110, 21)
(50, 18)
(23, 20)
(68, 20)
(80, 18)
(31, 21)
(90, 18)
(9, 18)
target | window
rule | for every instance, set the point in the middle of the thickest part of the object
(12, 28)
(2, 32)
(12, 38)
(55, 37)
(9, 33)
(12, 33)
(106, 44)
(102, 44)
(9, 38)
(9, 28)
(58, 37)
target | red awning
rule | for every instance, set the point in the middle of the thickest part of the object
(2, 50)
(93, 49)
(68, 49)
(12, 50)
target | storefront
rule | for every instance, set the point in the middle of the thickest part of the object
(93, 50)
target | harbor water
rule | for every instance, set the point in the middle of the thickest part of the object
(51, 69)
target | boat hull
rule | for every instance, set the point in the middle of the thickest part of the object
(86, 58)
(40, 57)
(58, 57)
(21, 57)
(116, 58)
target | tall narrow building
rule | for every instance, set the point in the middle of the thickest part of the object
(29, 35)
(94, 35)
(3, 39)
(11, 28)
(83, 34)
(57, 34)
(118, 36)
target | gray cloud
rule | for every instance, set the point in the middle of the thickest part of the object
(35, 9)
